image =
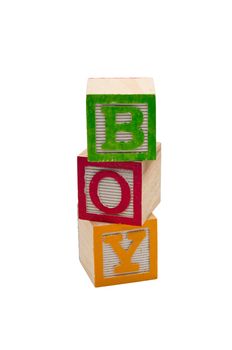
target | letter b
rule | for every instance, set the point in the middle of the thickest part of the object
(112, 127)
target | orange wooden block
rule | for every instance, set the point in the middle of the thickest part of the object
(115, 253)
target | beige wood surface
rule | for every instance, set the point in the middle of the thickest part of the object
(127, 86)
(151, 184)
(85, 238)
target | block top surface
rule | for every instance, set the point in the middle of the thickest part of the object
(120, 86)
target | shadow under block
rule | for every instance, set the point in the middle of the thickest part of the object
(121, 119)
(118, 192)
(113, 254)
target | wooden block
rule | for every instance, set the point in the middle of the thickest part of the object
(113, 254)
(118, 192)
(121, 119)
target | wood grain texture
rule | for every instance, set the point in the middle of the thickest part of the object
(151, 183)
(86, 249)
(120, 86)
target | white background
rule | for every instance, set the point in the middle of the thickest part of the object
(48, 50)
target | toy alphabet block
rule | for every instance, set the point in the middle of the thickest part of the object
(121, 119)
(113, 254)
(118, 192)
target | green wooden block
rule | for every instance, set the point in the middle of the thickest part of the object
(121, 119)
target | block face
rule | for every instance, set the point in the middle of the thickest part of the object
(110, 192)
(121, 127)
(125, 253)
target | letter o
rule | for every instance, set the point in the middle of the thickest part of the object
(125, 192)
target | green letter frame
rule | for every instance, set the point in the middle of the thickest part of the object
(124, 139)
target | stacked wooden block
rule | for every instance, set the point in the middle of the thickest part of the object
(119, 182)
